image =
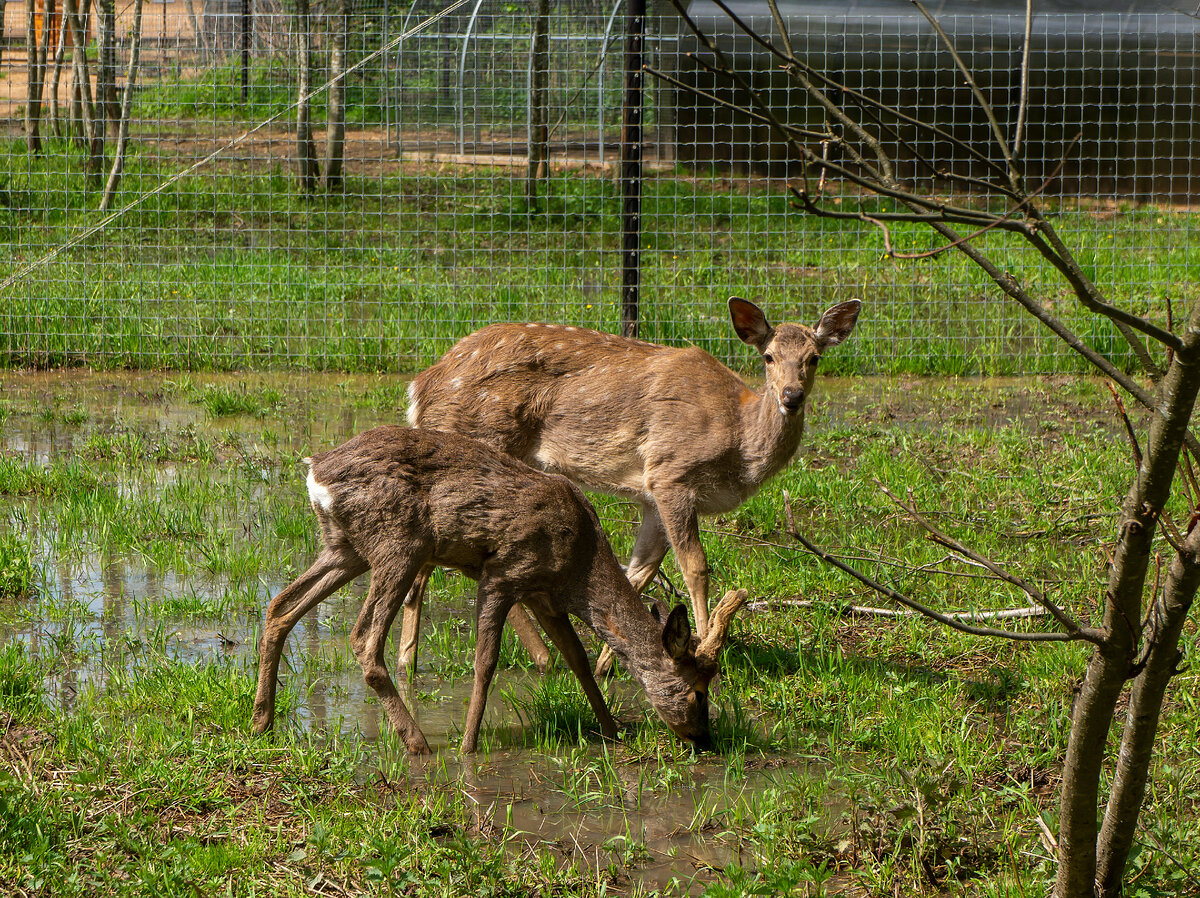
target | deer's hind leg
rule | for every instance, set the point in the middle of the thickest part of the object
(389, 585)
(333, 569)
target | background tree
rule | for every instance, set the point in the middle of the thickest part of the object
(335, 133)
(307, 168)
(539, 104)
(33, 89)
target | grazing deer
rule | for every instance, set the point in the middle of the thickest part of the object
(672, 429)
(400, 501)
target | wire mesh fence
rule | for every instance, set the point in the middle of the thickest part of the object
(439, 209)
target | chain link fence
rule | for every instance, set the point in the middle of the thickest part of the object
(439, 209)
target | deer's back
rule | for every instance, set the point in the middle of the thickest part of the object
(598, 408)
(449, 499)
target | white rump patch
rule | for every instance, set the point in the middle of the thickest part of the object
(413, 413)
(318, 493)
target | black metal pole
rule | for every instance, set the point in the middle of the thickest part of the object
(245, 50)
(631, 167)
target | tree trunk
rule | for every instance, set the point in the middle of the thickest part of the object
(1141, 722)
(33, 92)
(1112, 663)
(539, 112)
(307, 167)
(60, 54)
(93, 129)
(335, 133)
(108, 109)
(631, 167)
(114, 176)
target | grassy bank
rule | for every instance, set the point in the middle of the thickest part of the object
(148, 520)
(231, 268)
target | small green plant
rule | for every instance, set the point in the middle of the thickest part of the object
(20, 681)
(16, 568)
(221, 402)
(553, 710)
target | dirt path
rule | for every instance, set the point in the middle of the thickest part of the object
(164, 27)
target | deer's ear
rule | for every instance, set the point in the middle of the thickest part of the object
(749, 322)
(654, 612)
(838, 322)
(677, 634)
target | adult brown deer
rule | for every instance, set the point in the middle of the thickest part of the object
(670, 428)
(400, 501)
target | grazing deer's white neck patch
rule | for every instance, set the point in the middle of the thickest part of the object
(318, 493)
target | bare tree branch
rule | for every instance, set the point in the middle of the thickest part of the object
(916, 606)
(1014, 177)
(1034, 594)
(1023, 100)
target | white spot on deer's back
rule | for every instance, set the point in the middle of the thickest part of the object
(318, 493)
(456, 382)
(501, 342)
(413, 413)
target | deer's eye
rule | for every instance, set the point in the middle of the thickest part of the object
(768, 358)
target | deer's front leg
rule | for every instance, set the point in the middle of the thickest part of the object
(491, 608)
(369, 638)
(649, 549)
(527, 632)
(328, 573)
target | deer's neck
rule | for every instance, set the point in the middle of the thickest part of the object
(618, 616)
(770, 438)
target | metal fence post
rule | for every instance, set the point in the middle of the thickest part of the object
(631, 168)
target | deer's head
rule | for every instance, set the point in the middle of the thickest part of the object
(791, 352)
(680, 694)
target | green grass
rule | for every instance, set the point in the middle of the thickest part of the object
(879, 756)
(235, 270)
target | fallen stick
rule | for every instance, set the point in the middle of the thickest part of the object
(1002, 614)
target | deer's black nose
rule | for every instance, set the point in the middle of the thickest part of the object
(792, 398)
